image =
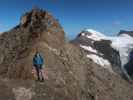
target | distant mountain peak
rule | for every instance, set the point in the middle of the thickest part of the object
(92, 34)
(126, 32)
(115, 49)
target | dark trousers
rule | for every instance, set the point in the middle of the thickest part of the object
(39, 72)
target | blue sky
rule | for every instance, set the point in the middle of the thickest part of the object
(107, 16)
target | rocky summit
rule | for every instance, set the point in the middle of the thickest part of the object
(36, 28)
(70, 75)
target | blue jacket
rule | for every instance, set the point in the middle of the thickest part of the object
(38, 59)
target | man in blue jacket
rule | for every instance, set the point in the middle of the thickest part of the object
(38, 62)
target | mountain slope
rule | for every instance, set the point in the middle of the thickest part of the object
(70, 75)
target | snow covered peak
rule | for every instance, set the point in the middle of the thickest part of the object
(107, 50)
(122, 43)
(95, 35)
(94, 32)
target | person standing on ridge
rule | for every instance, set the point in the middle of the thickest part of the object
(38, 62)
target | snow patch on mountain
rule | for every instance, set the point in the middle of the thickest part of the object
(89, 48)
(100, 61)
(123, 44)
